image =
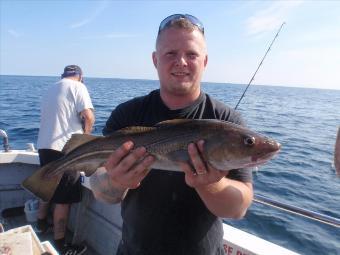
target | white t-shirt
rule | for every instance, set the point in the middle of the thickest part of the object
(60, 113)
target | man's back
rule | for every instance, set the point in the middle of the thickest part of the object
(63, 106)
(60, 110)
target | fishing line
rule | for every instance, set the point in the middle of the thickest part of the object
(258, 67)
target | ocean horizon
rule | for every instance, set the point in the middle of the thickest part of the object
(206, 82)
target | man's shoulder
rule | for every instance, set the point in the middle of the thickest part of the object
(140, 100)
(129, 113)
(66, 81)
(223, 111)
(216, 105)
(70, 83)
(216, 102)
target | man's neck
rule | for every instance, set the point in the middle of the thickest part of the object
(175, 102)
(74, 78)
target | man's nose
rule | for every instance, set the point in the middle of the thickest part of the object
(181, 60)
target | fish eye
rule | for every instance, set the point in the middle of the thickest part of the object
(249, 140)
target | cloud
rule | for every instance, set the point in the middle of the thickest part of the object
(91, 17)
(270, 18)
(14, 33)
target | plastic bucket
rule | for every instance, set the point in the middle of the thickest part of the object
(31, 210)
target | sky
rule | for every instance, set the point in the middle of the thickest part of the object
(115, 39)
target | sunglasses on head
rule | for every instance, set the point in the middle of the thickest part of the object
(193, 20)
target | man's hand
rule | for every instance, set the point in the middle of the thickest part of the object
(127, 167)
(200, 173)
(124, 170)
(222, 196)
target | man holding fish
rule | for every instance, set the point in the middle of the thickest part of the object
(176, 159)
(173, 212)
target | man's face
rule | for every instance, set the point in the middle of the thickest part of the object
(180, 60)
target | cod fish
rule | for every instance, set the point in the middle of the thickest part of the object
(227, 146)
(337, 154)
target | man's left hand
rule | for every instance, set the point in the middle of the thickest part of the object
(200, 172)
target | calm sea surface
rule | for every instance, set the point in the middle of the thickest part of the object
(304, 121)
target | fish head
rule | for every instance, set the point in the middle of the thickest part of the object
(235, 147)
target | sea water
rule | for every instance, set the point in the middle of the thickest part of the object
(304, 121)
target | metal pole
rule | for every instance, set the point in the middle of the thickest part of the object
(258, 67)
(335, 222)
(5, 140)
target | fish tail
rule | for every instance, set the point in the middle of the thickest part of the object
(52, 169)
(41, 186)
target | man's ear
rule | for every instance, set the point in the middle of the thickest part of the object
(154, 59)
(206, 60)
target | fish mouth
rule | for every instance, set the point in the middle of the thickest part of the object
(273, 148)
(259, 160)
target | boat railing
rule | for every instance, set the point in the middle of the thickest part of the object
(335, 222)
(4, 135)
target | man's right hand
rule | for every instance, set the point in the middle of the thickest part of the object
(127, 167)
(124, 169)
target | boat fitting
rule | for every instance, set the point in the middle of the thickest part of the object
(5, 140)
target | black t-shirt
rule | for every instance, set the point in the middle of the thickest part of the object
(164, 215)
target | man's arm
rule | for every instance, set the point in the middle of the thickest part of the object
(88, 119)
(227, 198)
(124, 170)
(224, 197)
(337, 153)
(103, 189)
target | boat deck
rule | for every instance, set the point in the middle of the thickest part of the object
(19, 220)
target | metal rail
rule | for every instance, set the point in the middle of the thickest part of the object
(3, 134)
(335, 222)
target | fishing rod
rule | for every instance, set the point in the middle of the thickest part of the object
(285, 207)
(332, 221)
(258, 67)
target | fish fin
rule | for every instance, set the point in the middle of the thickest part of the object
(173, 122)
(88, 168)
(135, 130)
(52, 169)
(72, 176)
(76, 140)
(41, 187)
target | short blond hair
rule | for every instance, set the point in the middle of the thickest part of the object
(181, 23)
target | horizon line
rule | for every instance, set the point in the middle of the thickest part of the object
(231, 83)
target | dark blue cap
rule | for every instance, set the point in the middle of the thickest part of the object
(72, 70)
